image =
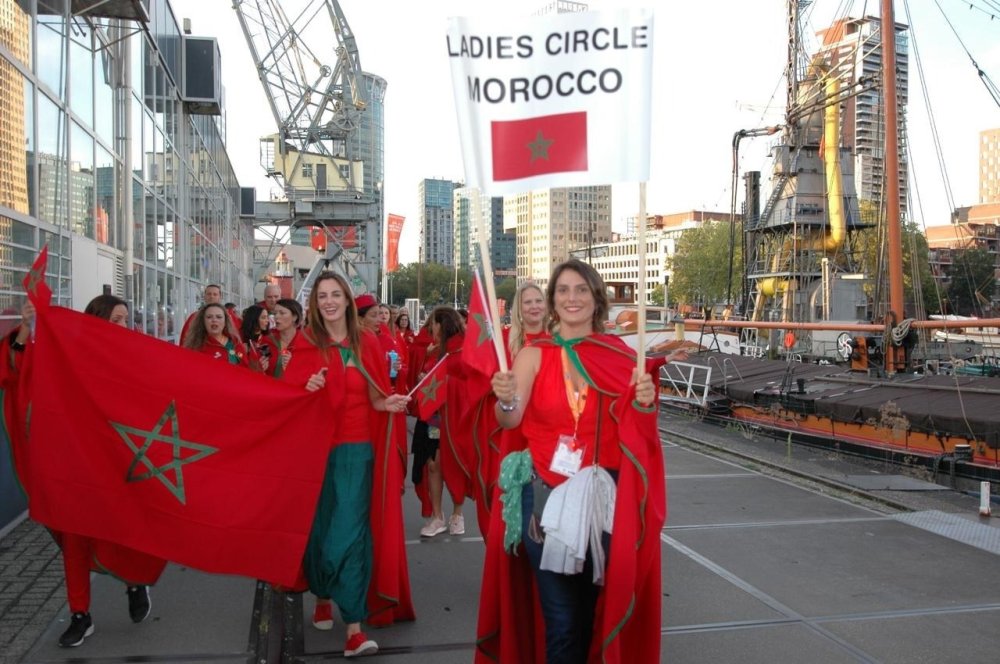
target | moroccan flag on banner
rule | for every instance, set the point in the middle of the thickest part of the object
(167, 451)
(560, 100)
(431, 391)
(479, 351)
(535, 146)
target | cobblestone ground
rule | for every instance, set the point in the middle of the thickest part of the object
(31, 588)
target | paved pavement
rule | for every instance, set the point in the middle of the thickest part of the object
(758, 567)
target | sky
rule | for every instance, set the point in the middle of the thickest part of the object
(717, 69)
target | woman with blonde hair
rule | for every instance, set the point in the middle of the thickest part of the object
(528, 315)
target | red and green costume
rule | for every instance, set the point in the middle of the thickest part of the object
(389, 597)
(627, 616)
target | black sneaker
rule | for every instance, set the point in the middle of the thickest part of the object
(80, 627)
(139, 604)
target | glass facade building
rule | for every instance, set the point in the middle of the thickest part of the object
(101, 159)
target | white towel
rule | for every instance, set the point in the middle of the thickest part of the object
(576, 514)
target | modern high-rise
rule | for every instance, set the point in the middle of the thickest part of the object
(550, 223)
(989, 166)
(853, 49)
(470, 207)
(437, 221)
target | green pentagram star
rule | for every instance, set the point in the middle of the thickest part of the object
(430, 389)
(485, 329)
(174, 439)
(540, 147)
(35, 276)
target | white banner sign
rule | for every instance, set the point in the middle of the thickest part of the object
(554, 101)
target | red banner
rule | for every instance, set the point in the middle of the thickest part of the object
(395, 229)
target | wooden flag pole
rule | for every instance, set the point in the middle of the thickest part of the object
(491, 293)
(641, 289)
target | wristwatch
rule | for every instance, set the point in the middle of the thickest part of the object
(509, 407)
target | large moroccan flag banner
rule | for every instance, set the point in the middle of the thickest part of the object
(170, 452)
(560, 100)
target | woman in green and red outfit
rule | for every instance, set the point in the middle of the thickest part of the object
(213, 333)
(280, 344)
(356, 552)
(81, 554)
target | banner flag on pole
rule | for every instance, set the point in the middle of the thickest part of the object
(561, 100)
(394, 228)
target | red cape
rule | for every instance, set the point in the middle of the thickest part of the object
(455, 451)
(627, 617)
(389, 596)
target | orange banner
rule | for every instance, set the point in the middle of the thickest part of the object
(394, 230)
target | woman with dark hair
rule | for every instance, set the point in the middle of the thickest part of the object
(372, 317)
(109, 307)
(441, 454)
(356, 554)
(285, 337)
(403, 330)
(212, 332)
(81, 554)
(588, 421)
(253, 331)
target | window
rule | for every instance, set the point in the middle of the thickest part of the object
(307, 170)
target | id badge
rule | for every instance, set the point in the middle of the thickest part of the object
(568, 457)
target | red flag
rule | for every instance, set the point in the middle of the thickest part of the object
(536, 146)
(38, 291)
(432, 389)
(393, 231)
(479, 350)
(171, 453)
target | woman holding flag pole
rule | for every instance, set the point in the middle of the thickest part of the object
(589, 422)
(356, 554)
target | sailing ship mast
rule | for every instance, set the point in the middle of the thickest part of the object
(895, 357)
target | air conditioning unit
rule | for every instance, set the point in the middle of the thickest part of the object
(248, 201)
(202, 76)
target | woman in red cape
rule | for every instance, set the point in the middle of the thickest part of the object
(81, 554)
(447, 460)
(585, 398)
(213, 333)
(362, 565)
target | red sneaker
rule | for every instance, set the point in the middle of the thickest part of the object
(358, 645)
(323, 616)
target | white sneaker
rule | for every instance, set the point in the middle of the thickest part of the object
(434, 527)
(456, 525)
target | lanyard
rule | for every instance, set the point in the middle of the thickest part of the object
(577, 398)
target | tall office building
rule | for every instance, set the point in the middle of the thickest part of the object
(989, 166)
(854, 50)
(550, 223)
(470, 206)
(437, 221)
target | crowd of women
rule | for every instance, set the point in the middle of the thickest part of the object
(557, 453)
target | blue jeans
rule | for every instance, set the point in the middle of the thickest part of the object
(568, 600)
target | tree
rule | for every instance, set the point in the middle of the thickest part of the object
(972, 281)
(701, 266)
(437, 284)
(506, 288)
(656, 295)
(871, 251)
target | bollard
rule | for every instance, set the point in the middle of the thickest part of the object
(984, 499)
